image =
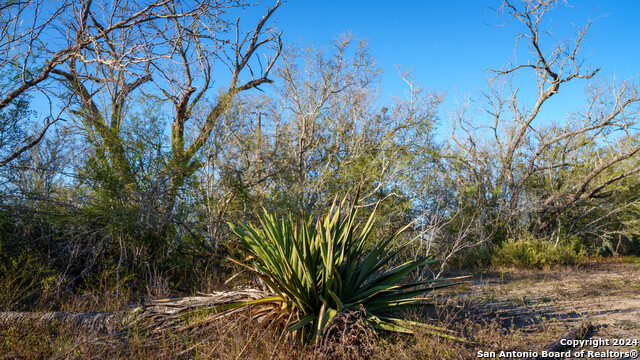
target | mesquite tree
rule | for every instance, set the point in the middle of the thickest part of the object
(527, 173)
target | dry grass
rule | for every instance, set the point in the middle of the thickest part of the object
(237, 338)
(230, 339)
(506, 310)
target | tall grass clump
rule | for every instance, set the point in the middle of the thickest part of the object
(319, 268)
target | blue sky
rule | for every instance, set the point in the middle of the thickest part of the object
(450, 44)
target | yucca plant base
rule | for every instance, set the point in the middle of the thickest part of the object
(317, 269)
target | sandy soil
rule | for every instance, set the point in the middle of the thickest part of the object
(606, 294)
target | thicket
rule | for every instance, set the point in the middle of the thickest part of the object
(144, 158)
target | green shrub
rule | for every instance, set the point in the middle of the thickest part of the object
(530, 252)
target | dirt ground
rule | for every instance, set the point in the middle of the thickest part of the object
(607, 294)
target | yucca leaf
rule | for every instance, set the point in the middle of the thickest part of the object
(313, 265)
(337, 300)
(302, 322)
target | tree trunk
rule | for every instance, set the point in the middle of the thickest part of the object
(93, 323)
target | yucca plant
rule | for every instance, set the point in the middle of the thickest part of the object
(318, 268)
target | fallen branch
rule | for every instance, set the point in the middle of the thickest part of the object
(579, 332)
(155, 315)
(92, 323)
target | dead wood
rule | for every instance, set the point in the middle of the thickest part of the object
(90, 323)
(155, 315)
(578, 332)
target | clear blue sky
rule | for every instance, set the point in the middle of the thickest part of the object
(449, 44)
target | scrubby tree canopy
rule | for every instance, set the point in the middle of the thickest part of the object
(168, 119)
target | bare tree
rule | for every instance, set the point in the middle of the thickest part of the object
(37, 37)
(321, 133)
(193, 58)
(24, 66)
(172, 47)
(514, 149)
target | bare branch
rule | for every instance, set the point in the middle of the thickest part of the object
(33, 142)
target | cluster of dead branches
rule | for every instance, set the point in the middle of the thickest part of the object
(531, 172)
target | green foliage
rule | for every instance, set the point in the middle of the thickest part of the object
(317, 269)
(24, 279)
(473, 258)
(530, 252)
